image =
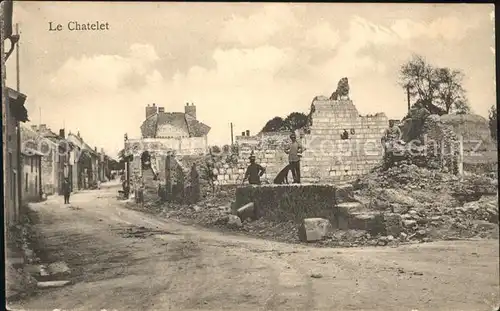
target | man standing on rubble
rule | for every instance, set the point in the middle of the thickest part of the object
(294, 151)
(254, 172)
(391, 136)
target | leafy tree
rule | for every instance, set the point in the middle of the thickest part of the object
(493, 121)
(215, 149)
(295, 121)
(441, 87)
(273, 125)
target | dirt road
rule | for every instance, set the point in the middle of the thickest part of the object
(126, 260)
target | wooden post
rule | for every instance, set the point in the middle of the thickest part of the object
(232, 141)
(461, 157)
(18, 135)
(17, 61)
(7, 171)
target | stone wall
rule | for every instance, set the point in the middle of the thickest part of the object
(328, 158)
(480, 149)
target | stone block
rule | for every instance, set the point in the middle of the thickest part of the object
(313, 229)
(234, 222)
(349, 208)
(58, 268)
(368, 221)
(393, 224)
(247, 211)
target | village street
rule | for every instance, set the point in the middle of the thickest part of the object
(126, 260)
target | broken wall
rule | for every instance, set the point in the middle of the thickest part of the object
(328, 157)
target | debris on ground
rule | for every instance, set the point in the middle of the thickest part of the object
(416, 205)
(314, 229)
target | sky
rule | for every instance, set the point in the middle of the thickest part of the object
(237, 62)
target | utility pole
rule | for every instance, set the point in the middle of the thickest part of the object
(17, 61)
(232, 141)
(7, 171)
(18, 128)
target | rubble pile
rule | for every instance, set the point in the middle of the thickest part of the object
(403, 204)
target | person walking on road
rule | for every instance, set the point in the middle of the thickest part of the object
(294, 151)
(66, 190)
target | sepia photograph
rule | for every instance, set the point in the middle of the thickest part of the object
(249, 156)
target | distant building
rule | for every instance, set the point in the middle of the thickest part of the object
(160, 124)
(163, 132)
(52, 146)
(85, 161)
(32, 175)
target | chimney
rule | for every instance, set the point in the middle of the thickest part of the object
(43, 127)
(61, 133)
(34, 127)
(161, 109)
(95, 149)
(248, 132)
(190, 110)
(78, 134)
(150, 110)
(242, 133)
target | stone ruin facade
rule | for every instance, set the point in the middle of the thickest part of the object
(331, 156)
(339, 143)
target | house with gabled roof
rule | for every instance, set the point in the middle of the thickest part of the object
(161, 124)
(165, 132)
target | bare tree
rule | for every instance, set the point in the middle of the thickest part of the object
(434, 86)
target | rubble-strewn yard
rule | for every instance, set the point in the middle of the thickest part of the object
(19, 283)
(431, 205)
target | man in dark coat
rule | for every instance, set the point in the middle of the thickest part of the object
(254, 172)
(66, 190)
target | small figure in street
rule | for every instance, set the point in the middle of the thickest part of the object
(98, 184)
(254, 172)
(294, 151)
(392, 136)
(66, 190)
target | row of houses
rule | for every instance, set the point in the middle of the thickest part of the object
(37, 160)
(49, 158)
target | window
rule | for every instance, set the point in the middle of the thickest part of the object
(31, 164)
(26, 183)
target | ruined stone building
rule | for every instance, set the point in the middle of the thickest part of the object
(162, 132)
(331, 155)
